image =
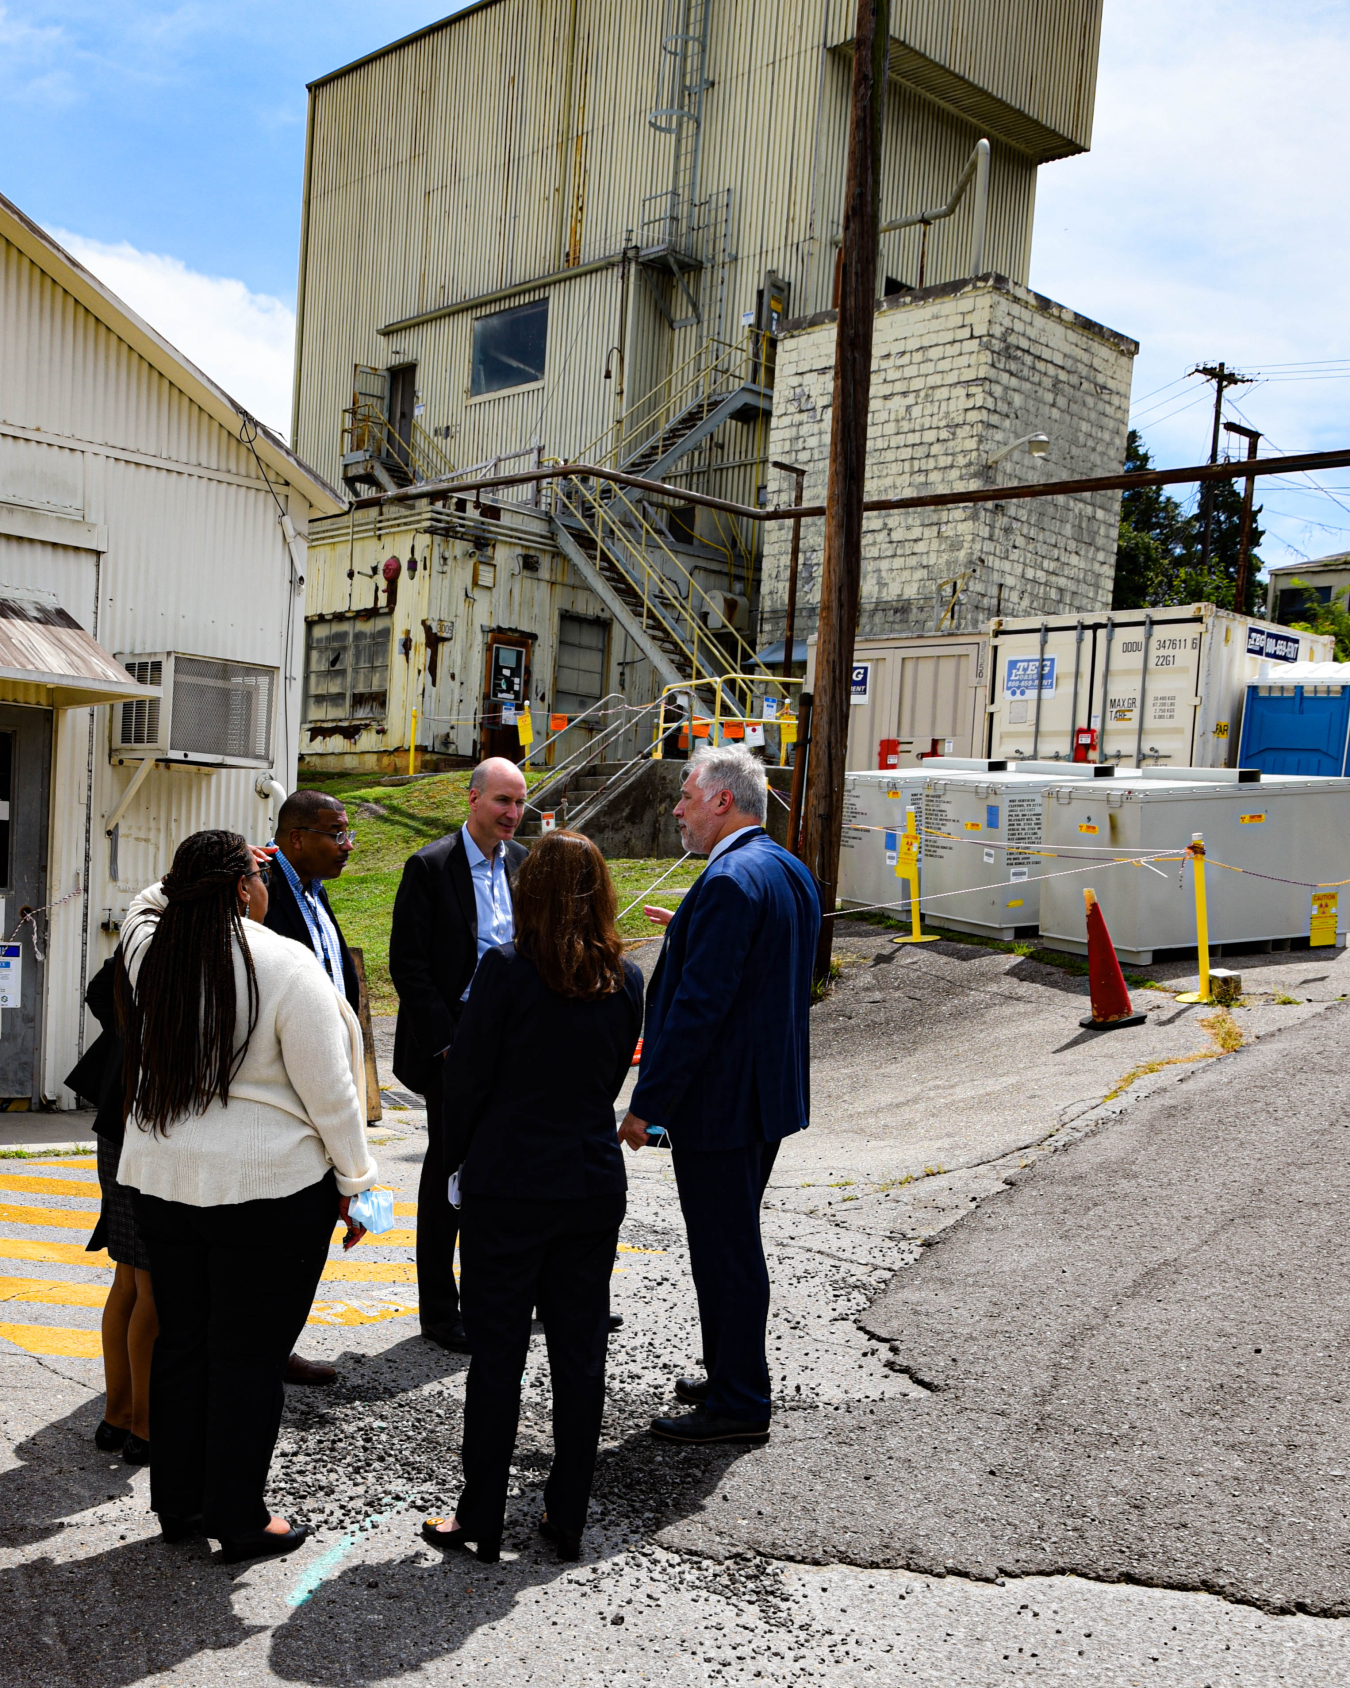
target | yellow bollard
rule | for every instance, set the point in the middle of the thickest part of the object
(412, 746)
(1197, 855)
(907, 868)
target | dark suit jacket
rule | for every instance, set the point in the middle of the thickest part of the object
(285, 915)
(433, 950)
(97, 1076)
(726, 1049)
(531, 1081)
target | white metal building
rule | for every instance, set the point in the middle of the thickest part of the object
(138, 530)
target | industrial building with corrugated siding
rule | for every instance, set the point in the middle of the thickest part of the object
(548, 231)
(150, 618)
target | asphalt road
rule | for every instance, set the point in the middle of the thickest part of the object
(1033, 1368)
(1137, 1362)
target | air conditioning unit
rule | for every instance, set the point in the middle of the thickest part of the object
(212, 712)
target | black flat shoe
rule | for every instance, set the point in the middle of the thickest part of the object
(179, 1529)
(694, 1390)
(136, 1450)
(261, 1544)
(450, 1540)
(615, 1321)
(569, 1546)
(701, 1426)
(109, 1439)
(454, 1338)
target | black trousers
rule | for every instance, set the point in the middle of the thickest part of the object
(518, 1255)
(437, 1221)
(233, 1288)
(720, 1195)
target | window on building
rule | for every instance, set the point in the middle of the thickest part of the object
(347, 668)
(1292, 603)
(508, 348)
(581, 664)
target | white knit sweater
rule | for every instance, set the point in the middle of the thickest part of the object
(297, 1104)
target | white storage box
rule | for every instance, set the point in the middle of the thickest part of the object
(1290, 828)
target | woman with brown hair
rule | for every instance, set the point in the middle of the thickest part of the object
(245, 1138)
(544, 1046)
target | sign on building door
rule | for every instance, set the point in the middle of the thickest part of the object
(860, 682)
(11, 975)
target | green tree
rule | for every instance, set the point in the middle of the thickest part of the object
(1158, 550)
(1333, 618)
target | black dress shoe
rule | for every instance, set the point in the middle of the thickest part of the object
(179, 1529)
(694, 1390)
(615, 1321)
(261, 1544)
(136, 1450)
(569, 1546)
(109, 1439)
(702, 1426)
(452, 1337)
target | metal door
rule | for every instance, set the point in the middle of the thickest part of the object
(25, 773)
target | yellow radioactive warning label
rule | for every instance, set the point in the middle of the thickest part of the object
(1251, 820)
(1322, 924)
(1088, 826)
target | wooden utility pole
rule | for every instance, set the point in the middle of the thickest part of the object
(1253, 439)
(841, 568)
(1223, 378)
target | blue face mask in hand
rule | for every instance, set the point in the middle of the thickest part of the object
(374, 1209)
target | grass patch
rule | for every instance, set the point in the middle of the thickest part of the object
(393, 822)
(1223, 1031)
(821, 988)
(1288, 1001)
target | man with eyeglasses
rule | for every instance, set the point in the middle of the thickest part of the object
(313, 843)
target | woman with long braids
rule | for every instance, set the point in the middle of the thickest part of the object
(246, 1136)
(544, 1046)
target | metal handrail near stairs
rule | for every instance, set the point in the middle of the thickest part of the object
(715, 369)
(368, 432)
(660, 593)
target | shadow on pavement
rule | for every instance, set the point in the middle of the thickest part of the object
(62, 1473)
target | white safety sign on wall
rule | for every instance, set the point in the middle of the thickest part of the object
(11, 975)
(1021, 676)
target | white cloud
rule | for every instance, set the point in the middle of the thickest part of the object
(1210, 221)
(244, 341)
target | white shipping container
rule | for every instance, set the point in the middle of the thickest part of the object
(1163, 687)
(1290, 828)
(927, 691)
(874, 808)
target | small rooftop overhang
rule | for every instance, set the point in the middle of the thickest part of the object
(48, 660)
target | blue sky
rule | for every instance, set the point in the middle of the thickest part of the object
(165, 144)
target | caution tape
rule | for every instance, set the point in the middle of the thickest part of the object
(1032, 879)
(29, 919)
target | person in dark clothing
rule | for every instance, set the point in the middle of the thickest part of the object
(130, 1324)
(313, 843)
(453, 905)
(542, 1050)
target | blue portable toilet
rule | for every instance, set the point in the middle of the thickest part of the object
(1297, 720)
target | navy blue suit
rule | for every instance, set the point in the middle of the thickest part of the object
(726, 1070)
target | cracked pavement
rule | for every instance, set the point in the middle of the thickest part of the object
(1023, 1433)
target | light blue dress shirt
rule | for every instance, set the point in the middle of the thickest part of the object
(323, 936)
(492, 898)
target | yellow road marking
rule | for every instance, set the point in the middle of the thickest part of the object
(74, 1219)
(358, 1313)
(52, 1339)
(384, 1239)
(64, 1254)
(55, 1292)
(627, 1248)
(87, 1187)
(80, 1160)
(370, 1272)
(405, 1210)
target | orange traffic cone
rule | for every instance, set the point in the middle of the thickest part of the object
(637, 1055)
(1111, 1005)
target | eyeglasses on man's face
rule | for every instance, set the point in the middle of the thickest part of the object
(347, 837)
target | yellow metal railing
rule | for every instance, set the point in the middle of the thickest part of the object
(729, 720)
(670, 598)
(366, 428)
(715, 368)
